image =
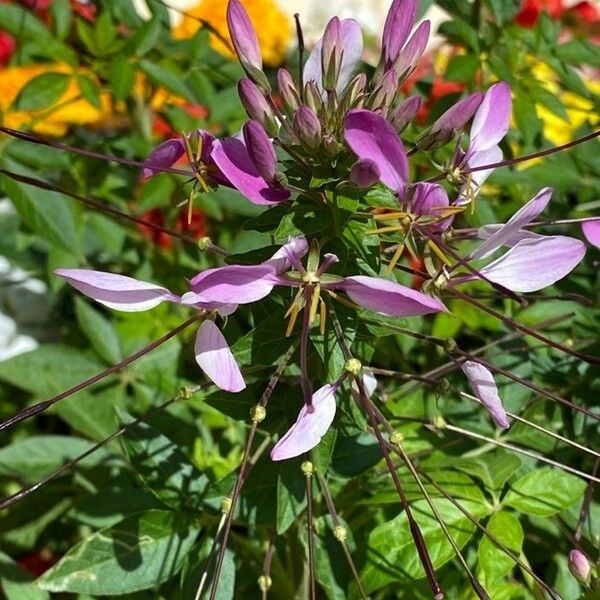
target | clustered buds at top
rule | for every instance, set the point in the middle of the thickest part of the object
(331, 54)
(307, 127)
(287, 90)
(383, 96)
(398, 25)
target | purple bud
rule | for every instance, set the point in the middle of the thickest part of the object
(406, 112)
(288, 91)
(243, 36)
(163, 156)
(256, 105)
(385, 92)
(260, 149)
(331, 54)
(364, 173)
(355, 90)
(579, 566)
(450, 123)
(398, 25)
(412, 52)
(307, 127)
(312, 96)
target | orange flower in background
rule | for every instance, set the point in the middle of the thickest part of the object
(272, 26)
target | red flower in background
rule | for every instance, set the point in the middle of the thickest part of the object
(586, 12)
(7, 47)
(196, 228)
(531, 10)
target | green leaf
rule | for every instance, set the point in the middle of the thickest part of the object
(492, 559)
(544, 492)
(42, 91)
(493, 468)
(577, 51)
(504, 10)
(47, 213)
(462, 68)
(167, 78)
(355, 454)
(17, 583)
(22, 23)
(145, 37)
(90, 90)
(121, 77)
(35, 457)
(163, 468)
(61, 17)
(137, 554)
(99, 330)
(291, 494)
(391, 550)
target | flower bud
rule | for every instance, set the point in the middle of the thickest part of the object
(331, 54)
(355, 89)
(579, 566)
(364, 173)
(256, 105)
(260, 149)
(288, 91)
(450, 123)
(312, 96)
(307, 127)
(385, 92)
(165, 155)
(406, 112)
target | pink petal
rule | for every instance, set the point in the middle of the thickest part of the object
(117, 291)
(309, 427)
(233, 284)
(430, 199)
(371, 137)
(388, 297)
(215, 358)
(232, 158)
(522, 217)
(352, 43)
(591, 230)
(398, 24)
(492, 118)
(289, 254)
(484, 387)
(533, 265)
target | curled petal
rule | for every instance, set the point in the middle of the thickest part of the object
(484, 387)
(533, 265)
(522, 217)
(309, 427)
(232, 158)
(117, 291)
(492, 118)
(371, 137)
(233, 284)
(288, 255)
(591, 230)
(165, 155)
(215, 358)
(388, 297)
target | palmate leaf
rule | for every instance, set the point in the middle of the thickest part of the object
(139, 553)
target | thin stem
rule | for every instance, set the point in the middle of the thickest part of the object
(304, 374)
(585, 506)
(311, 536)
(266, 576)
(37, 139)
(341, 535)
(211, 552)
(520, 450)
(40, 407)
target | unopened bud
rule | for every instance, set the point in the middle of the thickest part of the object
(256, 106)
(258, 413)
(450, 346)
(204, 243)
(396, 438)
(307, 127)
(331, 145)
(364, 173)
(579, 566)
(184, 393)
(353, 366)
(288, 91)
(226, 505)
(355, 89)
(260, 149)
(312, 97)
(450, 123)
(307, 468)
(264, 583)
(406, 112)
(331, 54)
(385, 92)
(340, 534)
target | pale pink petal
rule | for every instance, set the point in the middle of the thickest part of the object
(388, 297)
(232, 158)
(485, 232)
(371, 137)
(522, 217)
(533, 265)
(484, 387)
(215, 358)
(492, 118)
(233, 284)
(117, 291)
(309, 427)
(288, 255)
(591, 230)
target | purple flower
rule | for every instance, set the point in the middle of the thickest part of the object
(243, 284)
(591, 231)
(398, 25)
(490, 125)
(429, 200)
(243, 36)
(412, 52)
(351, 43)
(245, 167)
(130, 295)
(484, 387)
(288, 91)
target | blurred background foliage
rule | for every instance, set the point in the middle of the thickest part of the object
(137, 518)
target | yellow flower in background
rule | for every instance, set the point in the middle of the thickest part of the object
(70, 109)
(272, 26)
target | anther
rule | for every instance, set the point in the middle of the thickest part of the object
(264, 583)
(307, 468)
(353, 366)
(340, 534)
(258, 413)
